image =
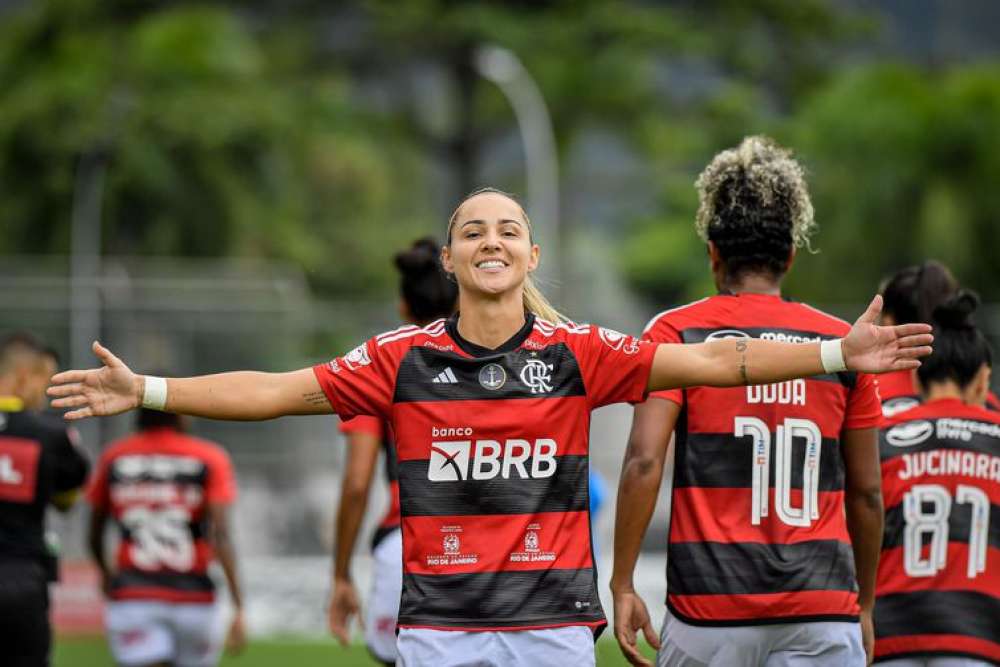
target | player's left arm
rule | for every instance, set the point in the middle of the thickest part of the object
(740, 361)
(865, 516)
(225, 552)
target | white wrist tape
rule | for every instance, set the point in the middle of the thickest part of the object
(831, 353)
(154, 395)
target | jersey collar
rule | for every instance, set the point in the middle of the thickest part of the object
(512, 343)
(11, 404)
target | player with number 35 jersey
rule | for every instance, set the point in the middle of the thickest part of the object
(938, 593)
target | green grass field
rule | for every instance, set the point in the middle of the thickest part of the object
(93, 652)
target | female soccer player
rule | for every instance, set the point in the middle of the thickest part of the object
(490, 410)
(426, 294)
(776, 515)
(938, 593)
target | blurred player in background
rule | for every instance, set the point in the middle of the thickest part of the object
(938, 590)
(763, 564)
(169, 495)
(39, 466)
(426, 294)
(911, 295)
(491, 413)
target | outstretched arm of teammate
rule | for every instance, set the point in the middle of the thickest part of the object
(642, 471)
(865, 517)
(239, 396)
(226, 553)
(95, 540)
(739, 361)
(362, 455)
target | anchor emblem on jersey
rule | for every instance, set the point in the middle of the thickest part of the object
(538, 376)
(492, 377)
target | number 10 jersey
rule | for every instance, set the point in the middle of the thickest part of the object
(757, 532)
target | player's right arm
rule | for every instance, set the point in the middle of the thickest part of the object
(362, 457)
(642, 471)
(238, 396)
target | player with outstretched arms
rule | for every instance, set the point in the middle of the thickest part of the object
(169, 495)
(426, 295)
(497, 563)
(776, 516)
(938, 593)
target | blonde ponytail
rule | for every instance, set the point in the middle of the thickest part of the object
(536, 303)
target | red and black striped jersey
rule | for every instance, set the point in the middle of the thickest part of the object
(757, 531)
(493, 458)
(938, 589)
(379, 429)
(157, 486)
(898, 392)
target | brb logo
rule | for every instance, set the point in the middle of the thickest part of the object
(459, 460)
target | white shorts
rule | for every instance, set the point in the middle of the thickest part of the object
(934, 662)
(572, 646)
(814, 644)
(141, 632)
(383, 603)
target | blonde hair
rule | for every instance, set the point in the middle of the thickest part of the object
(534, 301)
(768, 174)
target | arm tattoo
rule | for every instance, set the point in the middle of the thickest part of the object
(315, 398)
(741, 347)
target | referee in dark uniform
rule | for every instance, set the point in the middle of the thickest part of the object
(39, 466)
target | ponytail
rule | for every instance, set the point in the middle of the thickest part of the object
(536, 303)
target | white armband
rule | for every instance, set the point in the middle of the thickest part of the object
(831, 353)
(154, 396)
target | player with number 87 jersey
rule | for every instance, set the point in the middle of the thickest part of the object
(938, 592)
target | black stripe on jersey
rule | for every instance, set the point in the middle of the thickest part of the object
(978, 443)
(723, 460)
(715, 568)
(500, 599)
(938, 612)
(177, 581)
(700, 335)
(564, 491)
(959, 525)
(415, 381)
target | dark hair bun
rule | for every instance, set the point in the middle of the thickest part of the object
(420, 259)
(957, 312)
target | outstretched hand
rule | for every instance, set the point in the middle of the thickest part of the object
(871, 348)
(98, 392)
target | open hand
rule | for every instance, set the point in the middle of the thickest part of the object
(236, 640)
(631, 615)
(98, 392)
(875, 349)
(343, 605)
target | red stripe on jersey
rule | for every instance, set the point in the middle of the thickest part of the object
(493, 543)
(18, 469)
(892, 577)
(724, 515)
(896, 384)
(451, 421)
(916, 644)
(712, 410)
(894, 488)
(163, 594)
(704, 608)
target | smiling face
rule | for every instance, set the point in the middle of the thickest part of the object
(490, 250)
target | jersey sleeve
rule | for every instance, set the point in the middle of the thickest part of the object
(220, 488)
(864, 408)
(363, 424)
(71, 466)
(359, 383)
(615, 367)
(662, 331)
(98, 493)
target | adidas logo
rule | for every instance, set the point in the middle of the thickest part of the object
(447, 376)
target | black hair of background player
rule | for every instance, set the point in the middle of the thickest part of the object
(960, 348)
(423, 284)
(912, 294)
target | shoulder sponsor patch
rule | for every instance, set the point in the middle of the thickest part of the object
(909, 434)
